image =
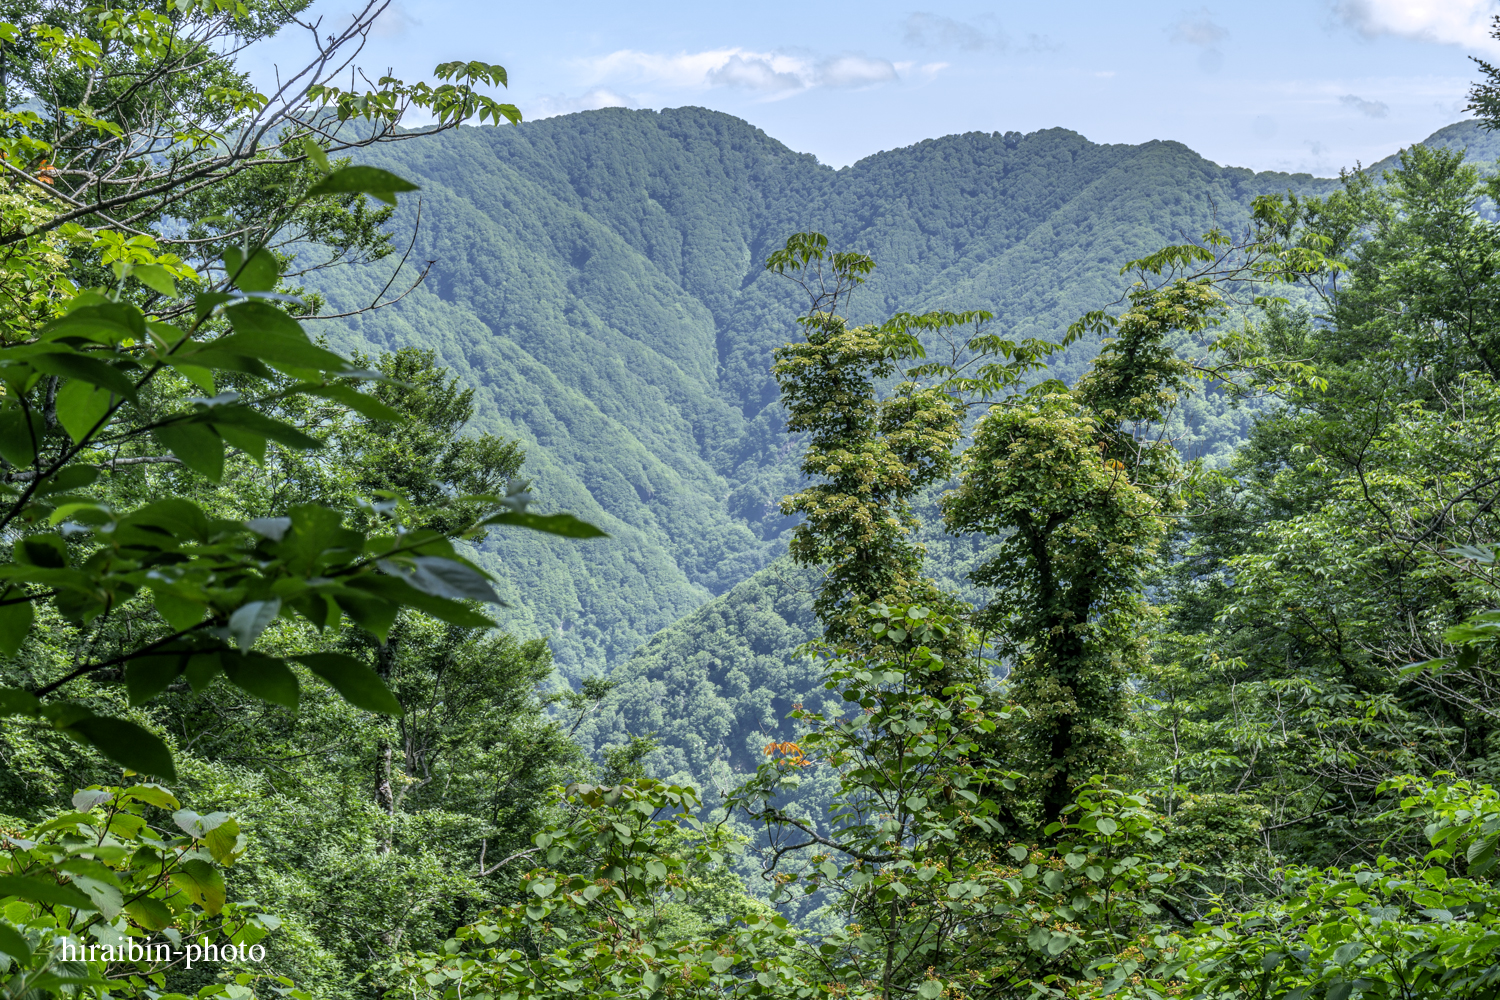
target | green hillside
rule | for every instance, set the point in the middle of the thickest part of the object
(597, 278)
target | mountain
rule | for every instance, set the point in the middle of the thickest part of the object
(597, 277)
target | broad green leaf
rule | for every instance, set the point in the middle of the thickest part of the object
(931, 989)
(72, 477)
(150, 913)
(250, 620)
(316, 154)
(84, 369)
(44, 891)
(268, 334)
(259, 274)
(154, 795)
(223, 841)
(397, 593)
(197, 445)
(80, 407)
(148, 676)
(16, 701)
(104, 323)
(88, 798)
(126, 743)
(356, 683)
(442, 578)
(372, 181)
(12, 943)
(182, 613)
(15, 622)
(251, 420)
(553, 524)
(19, 434)
(249, 442)
(202, 883)
(360, 402)
(266, 677)
(156, 278)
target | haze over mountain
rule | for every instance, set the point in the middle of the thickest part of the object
(598, 278)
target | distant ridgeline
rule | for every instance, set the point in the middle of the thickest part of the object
(598, 279)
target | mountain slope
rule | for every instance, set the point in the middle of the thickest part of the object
(598, 278)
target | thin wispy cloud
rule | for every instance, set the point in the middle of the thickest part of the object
(934, 31)
(550, 105)
(394, 22)
(771, 73)
(1370, 109)
(1199, 28)
(1452, 22)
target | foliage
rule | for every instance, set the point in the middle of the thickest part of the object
(1397, 927)
(98, 900)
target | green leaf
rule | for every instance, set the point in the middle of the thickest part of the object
(182, 613)
(1107, 826)
(360, 402)
(223, 840)
(931, 989)
(259, 274)
(316, 154)
(150, 913)
(15, 622)
(268, 334)
(80, 407)
(16, 701)
(84, 369)
(266, 677)
(258, 423)
(442, 578)
(46, 892)
(17, 439)
(197, 445)
(373, 181)
(14, 945)
(202, 883)
(72, 477)
(249, 442)
(250, 620)
(396, 593)
(104, 323)
(126, 743)
(148, 676)
(356, 683)
(156, 278)
(553, 524)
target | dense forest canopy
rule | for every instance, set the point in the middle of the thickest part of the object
(1072, 569)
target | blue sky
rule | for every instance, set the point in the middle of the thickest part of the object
(1301, 85)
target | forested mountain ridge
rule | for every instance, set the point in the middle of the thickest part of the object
(597, 277)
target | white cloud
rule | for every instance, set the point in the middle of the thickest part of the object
(559, 104)
(934, 31)
(1198, 28)
(1370, 109)
(1105, 73)
(1452, 22)
(854, 71)
(1041, 43)
(394, 22)
(754, 73)
(771, 73)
